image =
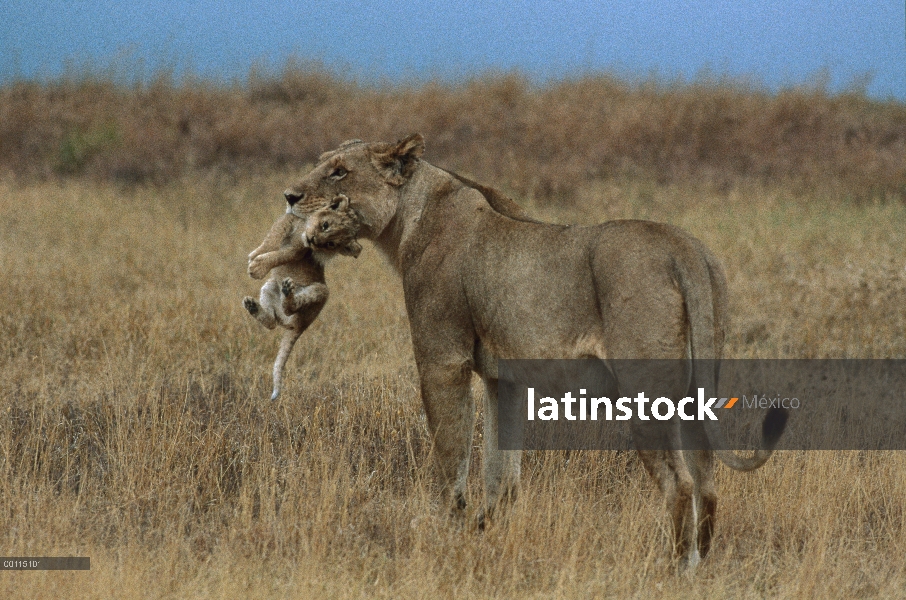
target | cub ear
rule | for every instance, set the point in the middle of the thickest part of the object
(341, 202)
(352, 249)
(396, 162)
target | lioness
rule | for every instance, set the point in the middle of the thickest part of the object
(294, 252)
(483, 281)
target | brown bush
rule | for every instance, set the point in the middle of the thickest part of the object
(538, 141)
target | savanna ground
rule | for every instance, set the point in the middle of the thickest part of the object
(136, 427)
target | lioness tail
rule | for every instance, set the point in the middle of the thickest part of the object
(700, 311)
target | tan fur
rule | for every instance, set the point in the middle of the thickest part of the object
(483, 281)
(294, 252)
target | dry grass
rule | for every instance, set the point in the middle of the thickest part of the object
(136, 427)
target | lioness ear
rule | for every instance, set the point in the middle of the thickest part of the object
(397, 162)
(412, 146)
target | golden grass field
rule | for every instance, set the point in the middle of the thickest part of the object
(136, 427)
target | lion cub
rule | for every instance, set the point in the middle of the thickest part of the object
(294, 252)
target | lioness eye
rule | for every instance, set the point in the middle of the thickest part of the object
(325, 226)
(338, 173)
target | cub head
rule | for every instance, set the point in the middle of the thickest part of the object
(334, 228)
(370, 175)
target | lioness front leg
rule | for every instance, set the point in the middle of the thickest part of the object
(446, 394)
(297, 298)
(501, 467)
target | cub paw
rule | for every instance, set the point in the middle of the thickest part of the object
(251, 305)
(287, 287)
(257, 268)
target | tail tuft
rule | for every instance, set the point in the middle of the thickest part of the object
(773, 425)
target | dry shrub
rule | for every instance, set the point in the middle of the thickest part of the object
(539, 141)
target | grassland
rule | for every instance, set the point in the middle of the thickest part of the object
(136, 427)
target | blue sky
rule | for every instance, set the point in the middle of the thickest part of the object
(771, 42)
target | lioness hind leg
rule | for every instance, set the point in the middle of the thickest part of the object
(501, 467)
(669, 470)
(701, 460)
(684, 514)
(706, 498)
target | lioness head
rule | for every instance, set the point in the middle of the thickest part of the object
(368, 174)
(334, 227)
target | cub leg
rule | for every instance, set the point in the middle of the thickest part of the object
(297, 298)
(265, 308)
(262, 264)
